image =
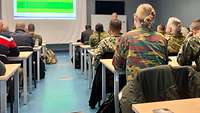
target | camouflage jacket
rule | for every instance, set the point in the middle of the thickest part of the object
(189, 51)
(95, 38)
(174, 42)
(148, 86)
(139, 49)
(107, 45)
(38, 37)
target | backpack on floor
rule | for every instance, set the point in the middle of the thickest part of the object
(42, 69)
(108, 106)
(50, 57)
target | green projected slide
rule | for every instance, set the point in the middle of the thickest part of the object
(45, 9)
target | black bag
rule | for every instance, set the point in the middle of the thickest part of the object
(108, 106)
(42, 69)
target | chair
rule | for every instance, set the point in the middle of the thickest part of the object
(25, 48)
(4, 59)
(158, 83)
(10, 83)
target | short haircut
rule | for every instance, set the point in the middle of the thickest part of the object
(88, 27)
(99, 28)
(31, 27)
(195, 24)
(173, 21)
(161, 27)
(20, 25)
(115, 25)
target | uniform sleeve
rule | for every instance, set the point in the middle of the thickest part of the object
(185, 55)
(40, 39)
(92, 41)
(82, 37)
(99, 51)
(120, 55)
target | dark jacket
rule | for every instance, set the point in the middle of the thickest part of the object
(85, 35)
(22, 38)
(8, 46)
(161, 83)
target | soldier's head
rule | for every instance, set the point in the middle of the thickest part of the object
(5, 28)
(161, 29)
(31, 28)
(99, 28)
(114, 16)
(20, 25)
(87, 27)
(195, 26)
(115, 26)
(173, 26)
(144, 15)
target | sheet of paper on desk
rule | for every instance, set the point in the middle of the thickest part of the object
(162, 110)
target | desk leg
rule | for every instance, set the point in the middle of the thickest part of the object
(30, 74)
(90, 72)
(116, 91)
(70, 50)
(73, 55)
(103, 83)
(81, 53)
(3, 97)
(25, 81)
(16, 92)
(85, 63)
(93, 74)
(43, 52)
(38, 65)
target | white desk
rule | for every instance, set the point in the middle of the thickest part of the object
(84, 49)
(91, 69)
(38, 50)
(25, 56)
(12, 70)
(73, 51)
(107, 63)
(176, 106)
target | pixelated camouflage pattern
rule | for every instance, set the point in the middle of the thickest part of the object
(95, 38)
(138, 49)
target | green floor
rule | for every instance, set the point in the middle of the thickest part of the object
(64, 90)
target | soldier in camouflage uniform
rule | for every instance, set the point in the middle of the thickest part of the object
(31, 30)
(139, 49)
(98, 35)
(174, 35)
(190, 50)
(107, 45)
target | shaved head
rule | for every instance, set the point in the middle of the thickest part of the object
(20, 25)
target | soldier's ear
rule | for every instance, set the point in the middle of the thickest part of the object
(170, 29)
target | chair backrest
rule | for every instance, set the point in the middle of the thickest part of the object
(25, 48)
(4, 59)
(164, 82)
(107, 55)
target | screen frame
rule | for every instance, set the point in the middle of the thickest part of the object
(49, 16)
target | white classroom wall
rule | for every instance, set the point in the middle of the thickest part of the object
(53, 31)
(105, 19)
